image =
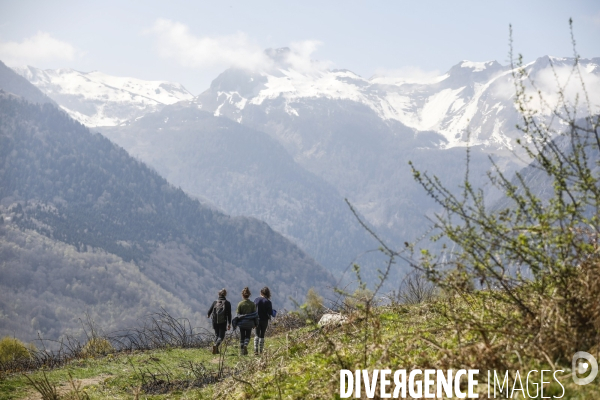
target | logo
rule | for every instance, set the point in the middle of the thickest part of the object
(580, 367)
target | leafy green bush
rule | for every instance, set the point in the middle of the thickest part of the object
(97, 346)
(313, 308)
(532, 263)
(12, 349)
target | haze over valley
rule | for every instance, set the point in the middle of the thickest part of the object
(120, 194)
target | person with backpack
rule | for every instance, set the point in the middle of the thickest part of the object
(265, 311)
(246, 319)
(220, 313)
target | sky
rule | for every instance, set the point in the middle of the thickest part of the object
(192, 42)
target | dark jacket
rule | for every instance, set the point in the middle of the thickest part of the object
(264, 308)
(245, 321)
(227, 309)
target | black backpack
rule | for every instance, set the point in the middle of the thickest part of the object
(218, 314)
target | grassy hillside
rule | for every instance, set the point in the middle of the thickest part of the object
(515, 294)
(302, 363)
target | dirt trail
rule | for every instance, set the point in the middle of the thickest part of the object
(65, 387)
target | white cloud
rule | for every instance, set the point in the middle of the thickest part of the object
(408, 74)
(543, 95)
(549, 82)
(175, 41)
(38, 48)
(299, 57)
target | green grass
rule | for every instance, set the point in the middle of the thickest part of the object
(300, 364)
(119, 374)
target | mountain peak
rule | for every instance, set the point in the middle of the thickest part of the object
(466, 72)
(479, 66)
(98, 99)
(466, 67)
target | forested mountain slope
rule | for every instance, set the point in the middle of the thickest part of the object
(12, 82)
(76, 187)
(246, 172)
(349, 145)
(47, 286)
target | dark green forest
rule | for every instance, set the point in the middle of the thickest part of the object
(61, 181)
(246, 172)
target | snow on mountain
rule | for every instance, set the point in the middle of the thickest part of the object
(474, 97)
(358, 134)
(98, 99)
(476, 66)
(354, 134)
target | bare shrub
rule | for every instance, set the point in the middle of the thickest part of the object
(357, 299)
(285, 322)
(44, 387)
(161, 330)
(415, 288)
(76, 392)
(156, 331)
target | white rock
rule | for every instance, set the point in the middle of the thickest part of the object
(332, 319)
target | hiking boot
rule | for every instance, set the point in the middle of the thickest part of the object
(245, 350)
(256, 352)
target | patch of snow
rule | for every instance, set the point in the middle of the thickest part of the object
(218, 110)
(476, 66)
(293, 85)
(397, 81)
(290, 110)
(436, 108)
(98, 119)
(498, 138)
(122, 98)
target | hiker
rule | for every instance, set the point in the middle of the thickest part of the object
(246, 319)
(265, 311)
(220, 313)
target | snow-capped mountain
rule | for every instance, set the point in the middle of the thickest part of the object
(355, 134)
(474, 97)
(98, 99)
(358, 134)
